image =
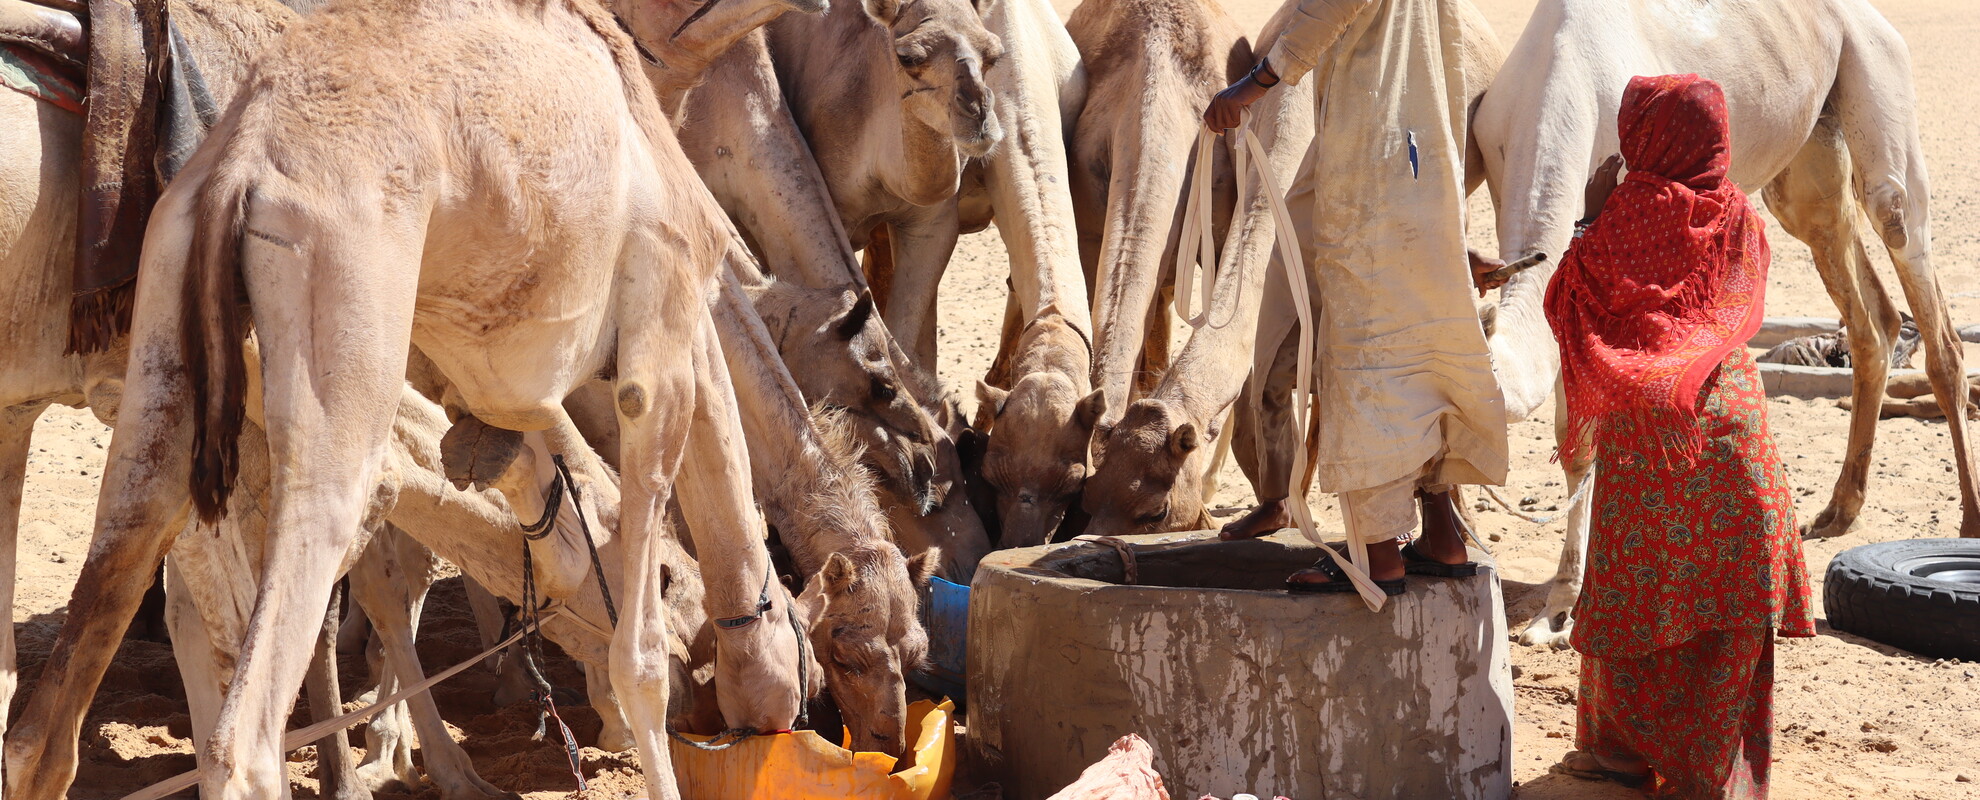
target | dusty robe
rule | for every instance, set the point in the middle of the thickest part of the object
(1403, 374)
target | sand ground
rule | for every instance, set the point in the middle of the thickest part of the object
(1854, 719)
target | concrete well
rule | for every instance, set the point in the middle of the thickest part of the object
(1240, 686)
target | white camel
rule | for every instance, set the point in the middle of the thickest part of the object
(1824, 124)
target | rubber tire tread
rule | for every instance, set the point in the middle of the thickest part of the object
(1866, 596)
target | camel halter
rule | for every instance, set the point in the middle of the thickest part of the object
(1197, 236)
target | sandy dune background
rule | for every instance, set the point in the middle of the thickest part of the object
(1854, 719)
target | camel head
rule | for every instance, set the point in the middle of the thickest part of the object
(1143, 479)
(866, 633)
(838, 349)
(942, 51)
(1039, 430)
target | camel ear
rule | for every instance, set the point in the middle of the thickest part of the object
(923, 565)
(810, 604)
(989, 398)
(1098, 441)
(1183, 440)
(838, 576)
(882, 11)
(855, 319)
(1087, 413)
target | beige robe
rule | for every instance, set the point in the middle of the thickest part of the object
(1404, 381)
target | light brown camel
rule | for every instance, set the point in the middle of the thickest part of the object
(1151, 67)
(216, 577)
(513, 330)
(1150, 481)
(1824, 124)
(1038, 407)
(749, 151)
(892, 99)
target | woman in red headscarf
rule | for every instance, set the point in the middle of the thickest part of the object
(1694, 560)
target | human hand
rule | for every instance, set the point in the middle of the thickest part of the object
(1226, 109)
(1600, 185)
(1482, 267)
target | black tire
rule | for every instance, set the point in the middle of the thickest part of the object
(1921, 595)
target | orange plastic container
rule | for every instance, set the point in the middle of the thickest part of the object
(805, 766)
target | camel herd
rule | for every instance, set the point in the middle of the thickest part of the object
(555, 282)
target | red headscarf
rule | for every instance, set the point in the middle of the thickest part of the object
(1671, 276)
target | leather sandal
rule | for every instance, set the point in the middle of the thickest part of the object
(1337, 580)
(1416, 563)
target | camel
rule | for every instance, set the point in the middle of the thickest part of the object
(747, 146)
(1152, 479)
(1037, 409)
(671, 399)
(1824, 125)
(215, 579)
(893, 157)
(1148, 83)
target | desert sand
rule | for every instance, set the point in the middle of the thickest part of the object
(1854, 718)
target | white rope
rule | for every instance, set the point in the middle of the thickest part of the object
(1356, 565)
(1196, 235)
(298, 738)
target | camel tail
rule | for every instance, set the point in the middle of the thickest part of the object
(215, 331)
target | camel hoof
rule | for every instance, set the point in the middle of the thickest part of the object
(618, 741)
(1551, 629)
(475, 453)
(1828, 525)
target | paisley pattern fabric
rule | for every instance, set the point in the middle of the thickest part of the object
(1701, 713)
(1712, 546)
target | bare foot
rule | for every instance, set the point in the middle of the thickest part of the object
(1264, 520)
(1443, 529)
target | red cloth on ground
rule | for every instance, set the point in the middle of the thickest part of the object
(1126, 773)
(1669, 278)
(1701, 713)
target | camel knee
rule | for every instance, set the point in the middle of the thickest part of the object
(1885, 203)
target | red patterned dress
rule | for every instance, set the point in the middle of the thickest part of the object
(1690, 573)
(1694, 560)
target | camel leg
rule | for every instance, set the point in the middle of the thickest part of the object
(142, 507)
(1555, 622)
(923, 242)
(658, 401)
(336, 767)
(1007, 342)
(193, 650)
(1269, 406)
(390, 582)
(388, 735)
(355, 634)
(758, 663)
(877, 261)
(326, 451)
(1811, 199)
(615, 735)
(1879, 104)
(511, 684)
(16, 431)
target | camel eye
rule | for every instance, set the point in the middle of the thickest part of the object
(1153, 519)
(883, 391)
